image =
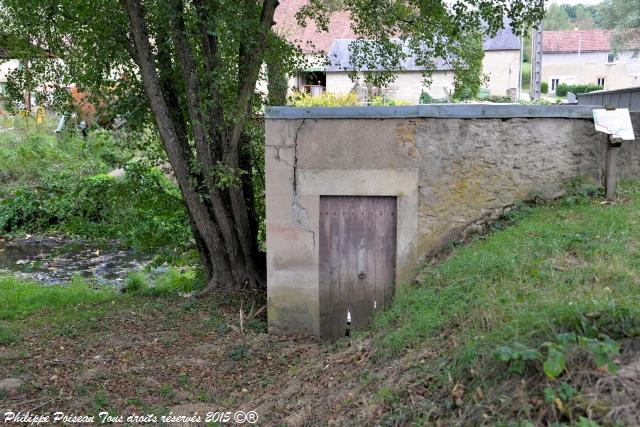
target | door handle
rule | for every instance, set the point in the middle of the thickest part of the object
(362, 275)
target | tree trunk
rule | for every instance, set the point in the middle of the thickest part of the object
(276, 83)
(219, 217)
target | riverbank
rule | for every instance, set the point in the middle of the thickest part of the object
(101, 188)
(536, 323)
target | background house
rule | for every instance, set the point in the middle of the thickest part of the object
(585, 56)
(7, 65)
(328, 52)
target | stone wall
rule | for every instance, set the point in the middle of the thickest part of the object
(448, 174)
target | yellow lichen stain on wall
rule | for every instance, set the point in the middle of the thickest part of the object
(469, 190)
(405, 140)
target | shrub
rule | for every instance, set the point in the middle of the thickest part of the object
(135, 284)
(544, 87)
(60, 184)
(327, 99)
(172, 282)
(498, 99)
(383, 100)
(425, 98)
(564, 88)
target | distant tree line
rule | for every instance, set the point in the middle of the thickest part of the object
(621, 16)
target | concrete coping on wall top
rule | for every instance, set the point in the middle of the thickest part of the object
(441, 111)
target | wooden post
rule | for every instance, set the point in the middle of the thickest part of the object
(611, 167)
(611, 164)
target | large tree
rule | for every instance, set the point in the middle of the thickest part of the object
(192, 66)
(622, 16)
(557, 19)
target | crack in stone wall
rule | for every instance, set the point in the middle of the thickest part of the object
(299, 213)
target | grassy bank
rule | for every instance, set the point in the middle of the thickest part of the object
(61, 184)
(555, 292)
(536, 323)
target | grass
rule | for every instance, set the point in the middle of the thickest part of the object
(543, 275)
(571, 266)
(60, 184)
(19, 299)
(568, 266)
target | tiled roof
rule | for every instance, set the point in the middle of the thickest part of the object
(569, 41)
(308, 38)
(311, 40)
(503, 40)
(339, 58)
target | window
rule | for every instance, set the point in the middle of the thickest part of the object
(312, 82)
(601, 81)
(611, 58)
(554, 84)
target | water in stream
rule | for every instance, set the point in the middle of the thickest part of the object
(53, 260)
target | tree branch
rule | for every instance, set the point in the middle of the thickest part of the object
(247, 83)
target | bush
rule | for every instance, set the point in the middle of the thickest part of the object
(172, 282)
(135, 284)
(383, 100)
(327, 99)
(498, 99)
(544, 87)
(564, 88)
(425, 98)
(526, 77)
(50, 184)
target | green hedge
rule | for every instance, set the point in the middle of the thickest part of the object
(564, 88)
(544, 87)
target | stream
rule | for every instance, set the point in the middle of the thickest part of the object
(53, 260)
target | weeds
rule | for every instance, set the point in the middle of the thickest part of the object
(536, 311)
(61, 184)
(20, 299)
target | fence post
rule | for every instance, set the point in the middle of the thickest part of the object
(611, 167)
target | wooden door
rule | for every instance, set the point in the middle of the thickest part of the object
(357, 260)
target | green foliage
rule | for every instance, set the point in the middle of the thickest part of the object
(622, 16)
(135, 283)
(7, 335)
(564, 392)
(238, 353)
(19, 299)
(393, 31)
(170, 283)
(556, 19)
(497, 99)
(555, 353)
(579, 191)
(526, 74)
(425, 98)
(51, 184)
(330, 99)
(564, 88)
(517, 355)
(603, 351)
(555, 362)
(383, 100)
(525, 284)
(544, 87)
(327, 99)
(468, 77)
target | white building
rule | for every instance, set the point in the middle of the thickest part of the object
(586, 57)
(501, 63)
